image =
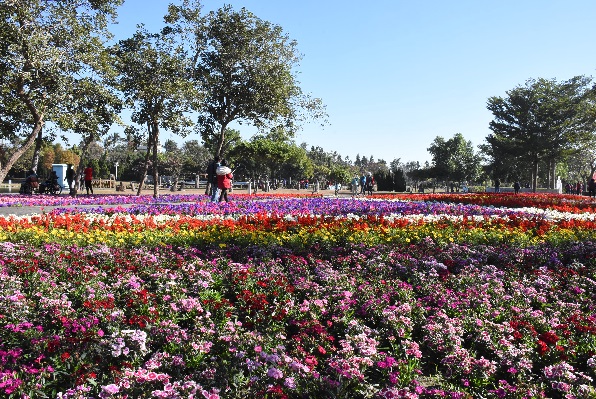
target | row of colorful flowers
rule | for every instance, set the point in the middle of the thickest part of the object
(299, 298)
(300, 223)
(563, 203)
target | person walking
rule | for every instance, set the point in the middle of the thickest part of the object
(497, 186)
(88, 174)
(70, 175)
(212, 179)
(363, 184)
(224, 180)
(354, 187)
(516, 187)
(370, 183)
(592, 188)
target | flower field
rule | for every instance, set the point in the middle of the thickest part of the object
(392, 296)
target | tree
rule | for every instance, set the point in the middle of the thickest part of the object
(172, 162)
(297, 165)
(45, 47)
(231, 139)
(267, 157)
(454, 160)
(464, 163)
(440, 163)
(151, 72)
(245, 70)
(196, 158)
(91, 116)
(185, 162)
(409, 170)
(340, 174)
(262, 156)
(540, 122)
(581, 165)
(399, 181)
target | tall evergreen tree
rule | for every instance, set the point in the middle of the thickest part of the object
(540, 122)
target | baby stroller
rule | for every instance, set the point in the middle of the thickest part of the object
(30, 185)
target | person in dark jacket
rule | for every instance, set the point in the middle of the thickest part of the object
(592, 188)
(211, 188)
(70, 175)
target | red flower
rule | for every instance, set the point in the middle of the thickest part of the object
(311, 361)
(542, 347)
(65, 356)
(549, 337)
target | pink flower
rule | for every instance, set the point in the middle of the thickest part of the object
(111, 389)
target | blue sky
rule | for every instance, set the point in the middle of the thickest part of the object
(396, 74)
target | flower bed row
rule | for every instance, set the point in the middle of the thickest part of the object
(563, 203)
(467, 302)
(295, 224)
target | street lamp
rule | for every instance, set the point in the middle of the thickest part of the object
(116, 174)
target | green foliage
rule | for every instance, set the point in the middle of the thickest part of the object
(340, 174)
(46, 47)
(539, 122)
(196, 158)
(151, 70)
(454, 159)
(231, 139)
(264, 157)
(245, 69)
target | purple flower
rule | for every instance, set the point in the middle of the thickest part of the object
(275, 373)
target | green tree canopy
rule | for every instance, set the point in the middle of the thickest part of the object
(454, 159)
(540, 121)
(151, 72)
(45, 48)
(245, 69)
(265, 156)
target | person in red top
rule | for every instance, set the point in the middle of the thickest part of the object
(224, 180)
(88, 178)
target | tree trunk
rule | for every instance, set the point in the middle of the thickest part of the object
(37, 125)
(37, 151)
(222, 138)
(147, 154)
(535, 174)
(20, 151)
(155, 171)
